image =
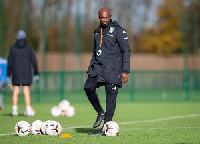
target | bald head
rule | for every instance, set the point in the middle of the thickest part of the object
(104, 10)
(104, 17)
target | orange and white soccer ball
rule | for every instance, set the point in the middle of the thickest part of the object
(111, 128)
(53, 128)
(44, 127)
(56, 111)
(64, 104)
(70, 111)
(22, 128)
(36, 127)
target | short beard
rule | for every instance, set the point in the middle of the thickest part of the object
(103, 26)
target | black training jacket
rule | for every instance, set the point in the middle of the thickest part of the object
(21, 58)
(113, 57)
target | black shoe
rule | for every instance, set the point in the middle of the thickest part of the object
(99, 119)
(97, 132)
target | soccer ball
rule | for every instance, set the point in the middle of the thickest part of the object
(53, 128)
(36, 127)
(70, 111)
(44, 126)
(64, 104)
(32, 112)
(111, 128)
(56, 111)
(22, 128)
(63, 113)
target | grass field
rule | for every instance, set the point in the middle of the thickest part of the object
(139, 122)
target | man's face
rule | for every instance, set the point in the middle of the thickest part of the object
(104, 18)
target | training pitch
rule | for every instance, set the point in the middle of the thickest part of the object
(148, 123)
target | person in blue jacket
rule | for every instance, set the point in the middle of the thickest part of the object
(3, 80)
(109, 66)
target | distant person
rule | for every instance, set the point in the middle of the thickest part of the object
(3, 80)
(109, 66)
(20, 59)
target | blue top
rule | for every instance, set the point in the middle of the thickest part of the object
(3, 68)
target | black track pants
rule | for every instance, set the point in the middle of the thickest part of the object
(111, 94)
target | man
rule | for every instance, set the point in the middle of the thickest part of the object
(109, 66)
(20, 58)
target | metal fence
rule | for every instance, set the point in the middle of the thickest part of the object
(143, 86)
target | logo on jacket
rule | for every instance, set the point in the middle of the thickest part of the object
(115, 88)
(99, 52)
(111, 29)
(110, 35)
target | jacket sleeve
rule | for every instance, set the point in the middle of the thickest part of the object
(34, 62)
(93, 59)
(122, 39)
(9, 67)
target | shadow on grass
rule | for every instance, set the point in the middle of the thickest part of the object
(84, 130)
(9, 114)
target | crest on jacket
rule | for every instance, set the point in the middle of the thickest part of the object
(111, 29)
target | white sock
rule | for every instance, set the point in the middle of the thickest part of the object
(28, 110)
(15, 110)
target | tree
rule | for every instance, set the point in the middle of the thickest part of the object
(165, 37)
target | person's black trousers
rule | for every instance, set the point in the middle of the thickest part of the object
(111, 94)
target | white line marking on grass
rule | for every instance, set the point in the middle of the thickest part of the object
(161, 119)
(176, 128)
(7, 134)
(127, 129)
(132, 122)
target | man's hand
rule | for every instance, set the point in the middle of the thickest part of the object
(124, 78)
(36, 78)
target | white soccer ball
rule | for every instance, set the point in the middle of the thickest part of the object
(111, 128)
(63, 113)
(22, 128)
(70, 111)
(56, 111)
(44, 126)
(64, 104)
(53, 128)
(36, 127)
(32, 112)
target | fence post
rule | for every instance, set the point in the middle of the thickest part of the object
(24, 15)
(43, 37)
(62, 84)
(78, 35)
(132, 87)
(2, 29)
(185, 54)
(195, 49)
(186, 84)
(38, 91)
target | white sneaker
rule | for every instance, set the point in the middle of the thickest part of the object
(29, 112)
(14, 114)
(14, 111)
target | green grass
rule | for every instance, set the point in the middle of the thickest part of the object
(144, 123)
